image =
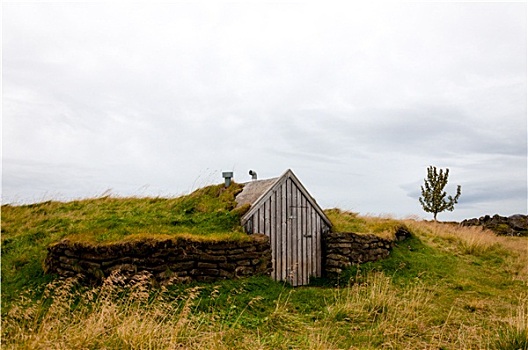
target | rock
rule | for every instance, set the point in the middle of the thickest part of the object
(518, 222)
(243, 271)
(204, 265)
(515, 225)
(226, 274)
(470, 222)
(402, 234)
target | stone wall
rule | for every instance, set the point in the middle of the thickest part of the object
(344, 249)
(515, 225)
(183, 260)
(170, 259)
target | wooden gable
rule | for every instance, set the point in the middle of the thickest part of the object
(282, 209)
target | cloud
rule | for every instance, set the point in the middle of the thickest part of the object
(489, 185)
(357, 99)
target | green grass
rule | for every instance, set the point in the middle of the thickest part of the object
(207, 213)
(346, 221)
(447, 287)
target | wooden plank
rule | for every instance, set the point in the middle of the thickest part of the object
(305, 239)
(278, 230)
(313, 268)
(315, 243)
(309, 241)
(273, 233)
(293, 235)
(302, 241)
(284, 232)
(267, 215)
(262, 216)
(299, 236)
(318, 247)
(247, 227)
(289, 231)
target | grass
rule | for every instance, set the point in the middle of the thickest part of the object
(207, 213)
(447, 287)
(346, 221)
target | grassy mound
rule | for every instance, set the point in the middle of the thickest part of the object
(447, 287)
(206, 211)
(206, 214)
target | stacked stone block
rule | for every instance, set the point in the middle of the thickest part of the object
(344, 249)
(175, 259)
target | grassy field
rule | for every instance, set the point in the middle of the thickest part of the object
(207, 213)
(445, 288)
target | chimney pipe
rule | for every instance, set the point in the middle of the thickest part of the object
(253, 175)
(227, 175)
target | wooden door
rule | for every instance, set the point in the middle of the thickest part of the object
(302, 241)
(295, 229)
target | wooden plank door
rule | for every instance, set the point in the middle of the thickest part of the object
(295, 230)
(303, 238)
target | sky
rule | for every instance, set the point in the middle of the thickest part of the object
(139, 99)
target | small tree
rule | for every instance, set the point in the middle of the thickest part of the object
(433, 199)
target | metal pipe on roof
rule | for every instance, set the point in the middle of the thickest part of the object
(227, 175)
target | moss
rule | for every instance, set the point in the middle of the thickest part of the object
(502, 229)
(242, 210)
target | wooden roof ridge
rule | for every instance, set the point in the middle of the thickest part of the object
(270, 185)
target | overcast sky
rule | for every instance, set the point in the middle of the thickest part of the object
(159, 99)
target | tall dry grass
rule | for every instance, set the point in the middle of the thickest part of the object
(386, 315)
(131, 315)
(374, 312)
(476, 241)
(116, 315)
